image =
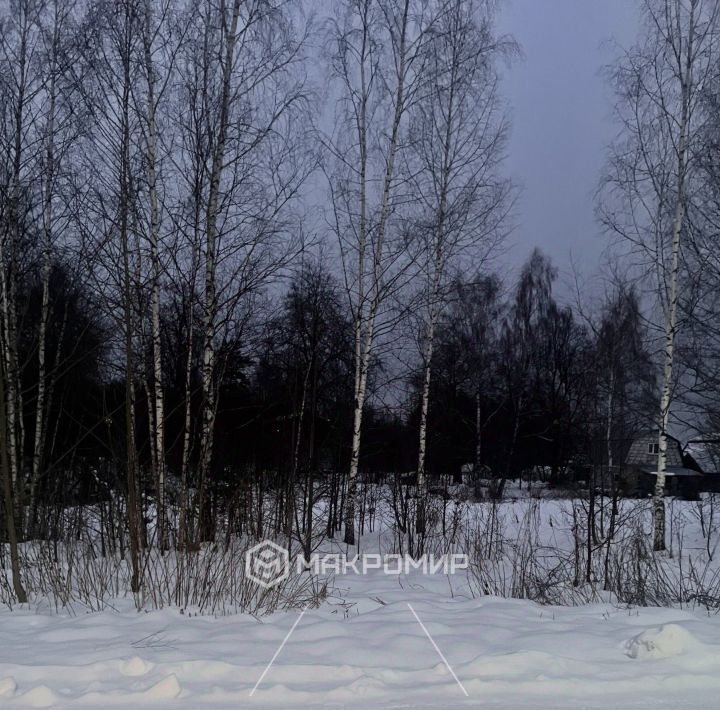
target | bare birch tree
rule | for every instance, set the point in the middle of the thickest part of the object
(457, 134)
(248, 161)
(162, 31)
(20, 85)
(378, 55)
(39, 126)
(660, 83)
(112, 46)
(60, 116)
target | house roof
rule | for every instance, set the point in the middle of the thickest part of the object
(654, 432)
(706, 452)
(640, 453)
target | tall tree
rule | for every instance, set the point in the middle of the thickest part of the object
(378, 57)
(660, 84)
(457, 133)
(520, 337)
(155, 40)
(248, 159)
(21, 62)
(111, 46)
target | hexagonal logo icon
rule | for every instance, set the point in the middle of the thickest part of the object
(267, 564)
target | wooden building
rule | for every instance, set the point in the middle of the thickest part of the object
(638, 474)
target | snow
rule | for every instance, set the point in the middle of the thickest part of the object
(363, 647)
(664, 642)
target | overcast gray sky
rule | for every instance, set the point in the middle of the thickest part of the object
(561, 116)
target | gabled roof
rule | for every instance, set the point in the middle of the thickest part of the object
(640, 455)
(644, 433)
(706, 452)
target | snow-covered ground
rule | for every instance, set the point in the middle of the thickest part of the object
(365, 648)
(378, 641)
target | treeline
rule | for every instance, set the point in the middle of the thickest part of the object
(519, 381)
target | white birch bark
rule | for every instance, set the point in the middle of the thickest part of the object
(158, 430)
(211, 234)
(669, 350)
(365, 320)
(685, 78)
(124, 177)
(660, 83)
(459, 141)
(9, 253)
(48, 193)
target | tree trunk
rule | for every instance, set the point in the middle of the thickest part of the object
(124, 213)
(8, 499)
(364, 338)
(478, 432)
(39, 439)
(211, 233)
(158, 435)
(671, 315)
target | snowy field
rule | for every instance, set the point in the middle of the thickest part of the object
(376, 641)
(367, 650)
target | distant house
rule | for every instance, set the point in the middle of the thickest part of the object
(683, 476)
(704, 452)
